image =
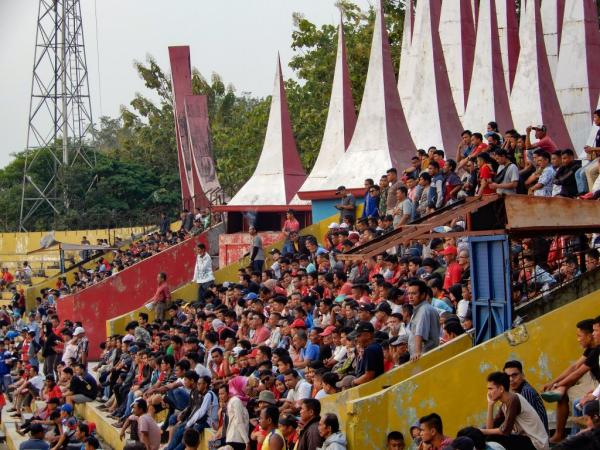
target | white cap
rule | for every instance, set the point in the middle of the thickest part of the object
(344, 225)
(78, 331)
(333, 225)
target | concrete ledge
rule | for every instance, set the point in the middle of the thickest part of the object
(13, 439)
(108, 433)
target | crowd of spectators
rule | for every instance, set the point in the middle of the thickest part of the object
(252, 359)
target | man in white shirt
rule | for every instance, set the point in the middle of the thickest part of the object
(299, 389)
(203, 273)
(507, 177)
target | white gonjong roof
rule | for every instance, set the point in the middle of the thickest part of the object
(457, 33)
(488, 99)
(279, 173)
(508, 33)
(533, 99)
(341, 121)
(431, 115)
(577, 78)
(552, 14)
(381, 139)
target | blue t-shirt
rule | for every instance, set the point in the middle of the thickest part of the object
(4, 357)
(34, 444)
(311, 351)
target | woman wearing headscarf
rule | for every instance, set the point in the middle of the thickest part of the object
(236, 422)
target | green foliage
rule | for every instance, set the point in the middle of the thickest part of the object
(137, 169)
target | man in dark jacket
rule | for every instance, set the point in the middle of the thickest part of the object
(309, 438)
(566, 184)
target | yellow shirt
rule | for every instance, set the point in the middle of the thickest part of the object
(265, 444)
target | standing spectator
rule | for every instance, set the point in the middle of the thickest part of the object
(269, 421)
(85, 254)
(203, 273)
(452, 183)
(288, 426)
(587, 174)
(517, 425)
(163, 225)
(403, 211)
(257, 254)
(507, 178)
(237, 420)
(486, 174)
(371, 207)
(383, 193)
(453, 274)
(347, 205)
(394, 184)
(187, 220)
(162, 297)
(518, 384)
(329, 429)
(310, 438)
(464, 147)
(148, 431)
(424, 326)
(291, 225)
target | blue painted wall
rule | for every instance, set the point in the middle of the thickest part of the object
(322, 209)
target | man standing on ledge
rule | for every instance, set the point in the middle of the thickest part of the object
(203, 273)
(257, 254)
(347, 205)
(162, 297)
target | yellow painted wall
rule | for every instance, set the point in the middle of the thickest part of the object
(189, 292)
(337, 403)
(456, 388)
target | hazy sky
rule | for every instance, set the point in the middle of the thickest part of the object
(238, 39)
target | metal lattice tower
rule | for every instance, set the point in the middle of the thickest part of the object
(60, 112)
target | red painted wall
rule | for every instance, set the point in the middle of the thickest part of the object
(128, 290)
(232, 247)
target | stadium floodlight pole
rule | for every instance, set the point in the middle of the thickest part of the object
(60, 113)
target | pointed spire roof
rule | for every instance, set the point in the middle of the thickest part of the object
(203, 163)
(552, 13)
(578, 89)
(381, 139)
(341, 120)
(533, 99)
(181, 76)
(279, 173)
(406, 68)
(432, 120)
(489, 98)
(508, 33)
(457, 34)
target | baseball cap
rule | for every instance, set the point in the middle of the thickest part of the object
(250, 296)
(540, 127)
(267, 397)
(451, 250)
(298, 323)
(274, 250)
(253, 353)
(78, 331)
(67, 408)
(327, 331)
(366, 307)
(344, 226)
(333, 225)
(462, 443)
(363, 327)
(340, 188)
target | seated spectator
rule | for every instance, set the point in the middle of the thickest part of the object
(432, 432)
(36, 442)
(329, 429)
(395, 441)
(516, 424)
(518, 384)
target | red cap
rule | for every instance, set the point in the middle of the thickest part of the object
(253, 353)
(451, 250)
(298, 323)
(327, 331)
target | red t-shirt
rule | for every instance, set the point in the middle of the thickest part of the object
(485, 173)
(453, 275)
(547, 144)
